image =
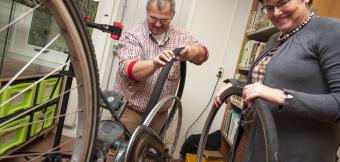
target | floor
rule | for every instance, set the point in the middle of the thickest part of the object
(41, 144)
(44, 144)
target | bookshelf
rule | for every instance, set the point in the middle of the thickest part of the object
(263, 34)
(258, 31)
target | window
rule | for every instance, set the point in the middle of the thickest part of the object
(43, 27)
(36, 30)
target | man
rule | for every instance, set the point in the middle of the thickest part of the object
(145, 49)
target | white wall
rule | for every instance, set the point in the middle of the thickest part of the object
(220, 25)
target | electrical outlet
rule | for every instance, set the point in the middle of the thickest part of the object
(219, 72)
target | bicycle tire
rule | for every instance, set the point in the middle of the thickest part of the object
(269, 131)
(234, 90)
(267, 122)
(67, 16)
(157, 90)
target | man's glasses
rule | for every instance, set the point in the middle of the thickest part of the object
(161, 21)
(279, 6)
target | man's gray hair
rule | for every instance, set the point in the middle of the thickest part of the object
(161, 5)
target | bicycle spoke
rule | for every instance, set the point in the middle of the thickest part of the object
(42, 153)
(58, 15)
(170, 143)
(29, 63)
(38, 121)
(47, 152)
(35, 83)
(21, 17)
(36, 107)
(168, 136)
(30, 154)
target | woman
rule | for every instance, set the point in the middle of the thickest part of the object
(299, 78)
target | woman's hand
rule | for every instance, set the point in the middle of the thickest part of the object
(271, 95)
(217, 98)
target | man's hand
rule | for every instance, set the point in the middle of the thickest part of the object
(194, 54)
(188, 53)
(162, 58)
(142, 69)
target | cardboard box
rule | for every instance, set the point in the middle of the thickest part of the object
(192, 158)
(212, 155)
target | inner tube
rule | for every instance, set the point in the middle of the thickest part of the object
(267, 123)
(157, 90)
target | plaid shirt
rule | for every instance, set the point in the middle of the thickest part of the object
(138, 44)
(257, 76)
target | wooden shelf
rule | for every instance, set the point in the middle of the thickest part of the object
(263, 34)
(226, 139)
(242, 68)
(236, 103)
(10, 67)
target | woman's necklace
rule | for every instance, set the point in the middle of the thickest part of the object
(283, 37)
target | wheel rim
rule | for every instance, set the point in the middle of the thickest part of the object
(142, 140)
(172, 126)
(82, 56)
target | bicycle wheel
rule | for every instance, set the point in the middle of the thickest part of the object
(168, 134)
(171, 128)
(80, 49)
(145, 145)
(234, 90)
(267, 122)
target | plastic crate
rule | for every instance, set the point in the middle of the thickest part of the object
(49, 114)
(10, 139)
(46, 87)
(22, 102)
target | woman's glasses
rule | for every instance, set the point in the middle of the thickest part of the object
(269, 9)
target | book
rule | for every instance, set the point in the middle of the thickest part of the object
(227, 122)
(234, 123)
